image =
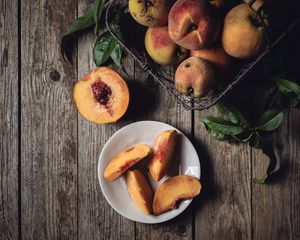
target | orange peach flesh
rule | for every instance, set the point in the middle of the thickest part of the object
(106, 106)
(140, 191)
(164, 145)
(174, 190)
(124, 160)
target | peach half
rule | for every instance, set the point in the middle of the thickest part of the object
(173, 191)
(139, 190)
(164, 145)
(193, 24)
(101, 96)
(124, 160)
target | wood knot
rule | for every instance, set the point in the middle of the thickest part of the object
(181, 229)
(54, 75)
(5, 58)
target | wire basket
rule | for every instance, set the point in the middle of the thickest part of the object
(133, 44)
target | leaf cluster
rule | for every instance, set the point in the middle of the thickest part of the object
(233, 127)
(105, 46)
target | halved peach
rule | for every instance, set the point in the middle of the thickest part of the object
(124, 160)
(140, 190)
(164, 145)
(101, 96)
(173, 191)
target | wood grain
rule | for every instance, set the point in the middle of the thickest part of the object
(276, 206)
(96, 219)
(164, 108)
(223, 210)
(9, 121)
(48, 124)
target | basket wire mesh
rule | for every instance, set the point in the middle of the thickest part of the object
(164, 75)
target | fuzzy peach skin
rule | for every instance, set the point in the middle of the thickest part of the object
(101, 96)
(164, 145)
(124, 160)
(195, 77)
(243, 33)
(139, 190)
(150, 13)
(173, 191)
(161, 48)
(219, 59)
(193, 24)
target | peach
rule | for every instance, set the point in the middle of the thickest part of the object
(124, 160)
(217, 3)
(243, 33)
(195, 77)
(219, 59)
(140, 191)
(150, 13)
(193, 24)
(101, 96)
(173, 191)
(161, 48)
(164, 145)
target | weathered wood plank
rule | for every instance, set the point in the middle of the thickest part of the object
(49, 124)
(9, 119)
(276, 206)
(164, 108)
(223, 210)
(96, 219)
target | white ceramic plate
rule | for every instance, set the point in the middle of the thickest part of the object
(116, 194)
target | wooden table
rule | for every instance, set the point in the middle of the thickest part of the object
(48, 180)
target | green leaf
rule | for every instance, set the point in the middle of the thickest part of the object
(83, 22)
(98, 8)
(103, 48)
(268, 150)
(288, 86)
(231, 112)
(217, 135)
(270, 120)
(77, 28)
(116, 55)
(223, 126)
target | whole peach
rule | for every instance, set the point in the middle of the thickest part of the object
(195, 77)
(150, 13)
(193, 24)
(219, 59)
(243, 33)
(161, 48)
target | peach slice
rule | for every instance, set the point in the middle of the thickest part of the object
(174, 190)
(124, 160)
(164, 145)
(101, 96)
(140, 191)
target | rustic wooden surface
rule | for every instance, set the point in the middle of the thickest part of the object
(48, 152)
